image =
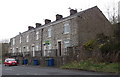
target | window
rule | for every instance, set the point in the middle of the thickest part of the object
(37, 35)
(49, 32)
(16, 49)
(27, 48)
(10, 50)
(20, 39)
(66, 43)
(27, 38)
(13, 50)
(66, 28)
(37, 47)
(13, 41)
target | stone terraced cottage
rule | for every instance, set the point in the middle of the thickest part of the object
(52, 38)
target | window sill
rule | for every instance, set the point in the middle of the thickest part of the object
(49, 37)
(66, 33)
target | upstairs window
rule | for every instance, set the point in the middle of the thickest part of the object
(66, 28)
(20, 40)
(20, 49)
(13, 41)
(27, 38)
(49, 32)
(13, 50)
(37, 35)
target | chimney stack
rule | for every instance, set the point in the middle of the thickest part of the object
(47, 21)
(72, 11)
(58, 17)
(38, 25)
(30, 27)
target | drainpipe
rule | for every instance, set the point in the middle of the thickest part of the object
(33, 48)
(33, 45)
(21, 43)
(42, 42)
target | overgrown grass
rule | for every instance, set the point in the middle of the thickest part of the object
(0, 61)
(90, 65)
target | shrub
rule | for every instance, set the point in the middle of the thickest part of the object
(89, 45)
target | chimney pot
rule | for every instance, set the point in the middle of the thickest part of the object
(38, 25)
(47, 21)
(72, 11)
(58, 17)
(30, 27)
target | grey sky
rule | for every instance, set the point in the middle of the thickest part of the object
(17, 15)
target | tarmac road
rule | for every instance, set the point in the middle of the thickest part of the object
(37, 70)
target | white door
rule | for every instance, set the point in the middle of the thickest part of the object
(45, 53)
(33, 49)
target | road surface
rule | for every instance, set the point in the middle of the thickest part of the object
(37, 70)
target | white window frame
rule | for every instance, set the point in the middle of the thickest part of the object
(27, 48)
(20, 39)
(66, 43)
(37, 35)
(17, 50)
(13, 50)
(27, 38)
(66, 28)
(10, 51)
(20, 49)
(37, 47)
(13, 41)
(49, 32)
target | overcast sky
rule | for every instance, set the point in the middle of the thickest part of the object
(17, 15)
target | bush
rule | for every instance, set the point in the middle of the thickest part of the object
(109, 47)
(89, 45)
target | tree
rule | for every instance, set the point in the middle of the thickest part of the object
(112, 13)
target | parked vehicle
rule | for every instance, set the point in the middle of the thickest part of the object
(10, 62)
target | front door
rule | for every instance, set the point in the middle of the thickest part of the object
(45, 53)
(33, 49)
(59, 48)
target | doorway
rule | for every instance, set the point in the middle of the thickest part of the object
(33, 49)
(59, 48)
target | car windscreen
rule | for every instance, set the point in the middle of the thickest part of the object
(10, 60)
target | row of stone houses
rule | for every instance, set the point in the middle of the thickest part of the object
(52, 38)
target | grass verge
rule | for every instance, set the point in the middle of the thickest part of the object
(92, 66)
(0, 61)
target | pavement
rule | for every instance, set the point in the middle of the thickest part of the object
(0, 70)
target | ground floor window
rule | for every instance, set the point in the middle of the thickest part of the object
(66, 43)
